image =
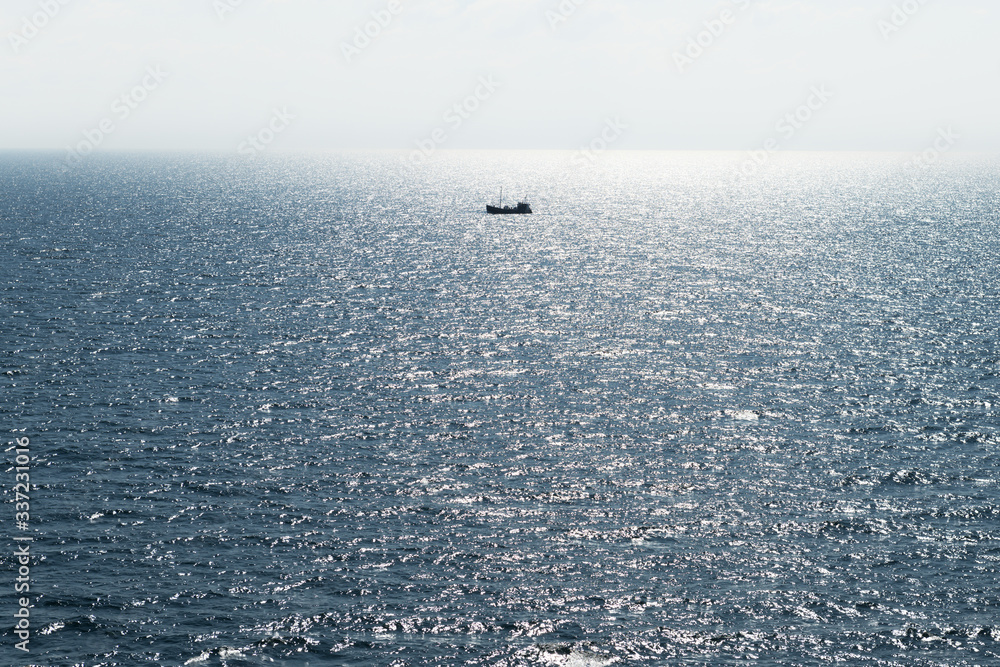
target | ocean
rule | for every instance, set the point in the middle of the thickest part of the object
(323, 410)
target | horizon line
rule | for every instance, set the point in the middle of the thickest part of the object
(217, 151)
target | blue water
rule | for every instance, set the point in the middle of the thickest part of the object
(325, 411)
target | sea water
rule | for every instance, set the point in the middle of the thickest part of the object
(323, 410)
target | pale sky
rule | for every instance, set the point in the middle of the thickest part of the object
(557, 73)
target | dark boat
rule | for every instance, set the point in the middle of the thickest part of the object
(521, 208)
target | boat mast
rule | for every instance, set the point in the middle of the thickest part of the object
(501, 196)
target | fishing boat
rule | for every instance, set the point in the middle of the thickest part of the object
(521, 208)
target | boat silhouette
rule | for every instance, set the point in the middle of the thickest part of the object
(521, 208)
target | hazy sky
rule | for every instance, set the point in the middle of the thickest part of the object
(295, 75)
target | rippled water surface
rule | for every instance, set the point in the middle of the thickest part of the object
(325, 411)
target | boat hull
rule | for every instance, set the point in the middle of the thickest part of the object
(520, 209)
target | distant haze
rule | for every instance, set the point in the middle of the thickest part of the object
(294, 75)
